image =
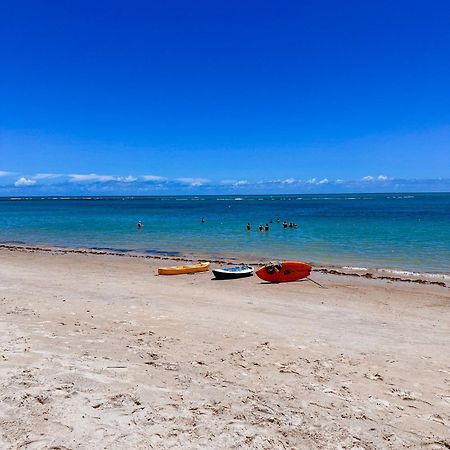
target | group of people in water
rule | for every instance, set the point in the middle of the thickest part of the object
(261, 228)
(267, 226)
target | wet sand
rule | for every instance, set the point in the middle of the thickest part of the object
(98, 352)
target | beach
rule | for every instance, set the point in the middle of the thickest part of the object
(294, 156)
(99, 352)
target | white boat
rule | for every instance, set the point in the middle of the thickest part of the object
(229, 273)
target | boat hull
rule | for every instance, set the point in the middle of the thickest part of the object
(180, 270)
(233, 273)
(287, 271)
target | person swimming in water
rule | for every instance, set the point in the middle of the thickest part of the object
(139, 225)
(267, 227)
(285, 225)
(249, 227)
(203, 220)
(261, 228)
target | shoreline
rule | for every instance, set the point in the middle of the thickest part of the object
(387, 274)
(384, 237)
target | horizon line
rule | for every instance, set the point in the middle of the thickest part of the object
(224, 195)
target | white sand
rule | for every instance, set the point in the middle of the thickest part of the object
(98, 352)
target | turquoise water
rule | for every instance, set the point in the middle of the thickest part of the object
(399, 231)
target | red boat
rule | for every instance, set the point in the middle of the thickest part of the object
(281, 272)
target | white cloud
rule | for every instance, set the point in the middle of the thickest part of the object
(193, 181)
(278, 181)
(77, 178)
(317, 182)
(339, 181)
(234, 183)
(24, 182)
(128, 179)
(3, 173)
(379, 178)
(153, 178)
(45, 176)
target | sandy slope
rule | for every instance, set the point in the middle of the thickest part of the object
(97, 352)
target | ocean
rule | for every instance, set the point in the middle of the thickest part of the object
(395, 231)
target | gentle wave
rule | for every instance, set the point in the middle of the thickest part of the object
(408, 273)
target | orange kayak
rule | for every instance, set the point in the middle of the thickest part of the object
(284, 271)
(178, 270)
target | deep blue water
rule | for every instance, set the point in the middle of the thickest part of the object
(400, 231)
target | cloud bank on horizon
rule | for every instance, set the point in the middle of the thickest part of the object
(41, 184)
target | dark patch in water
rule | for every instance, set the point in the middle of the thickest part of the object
(159, 252)
(111, 249)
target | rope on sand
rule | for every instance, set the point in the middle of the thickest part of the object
(315, 282)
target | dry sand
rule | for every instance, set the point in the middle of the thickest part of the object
(98, 352)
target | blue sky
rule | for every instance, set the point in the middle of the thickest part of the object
(170, 97)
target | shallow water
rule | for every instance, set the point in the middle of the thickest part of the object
(399, 231)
